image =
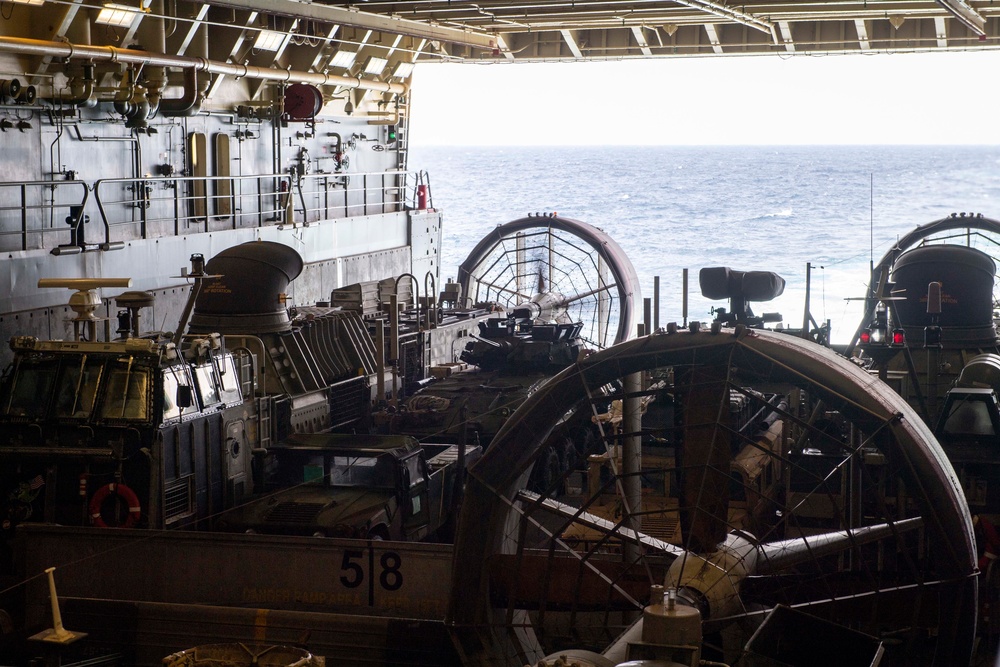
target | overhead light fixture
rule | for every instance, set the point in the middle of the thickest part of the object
(403, 70)
(29, 2)
(966, 15)
(375, 65)
(343, 59)
(269, 40)
(119, 16)
(897, 20)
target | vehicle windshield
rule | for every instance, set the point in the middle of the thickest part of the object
(367, 471)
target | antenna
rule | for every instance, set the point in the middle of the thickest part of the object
(84, 301)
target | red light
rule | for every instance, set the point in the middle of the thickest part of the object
(898, 337)
(866, 336)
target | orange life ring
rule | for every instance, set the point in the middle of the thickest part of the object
(132, 500)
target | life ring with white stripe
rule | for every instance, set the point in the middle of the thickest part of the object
(127, 494)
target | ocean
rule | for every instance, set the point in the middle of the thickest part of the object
(747, 207)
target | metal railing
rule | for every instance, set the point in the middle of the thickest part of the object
(170, 206)
(34, 209)
(155, 207)
(339, 195)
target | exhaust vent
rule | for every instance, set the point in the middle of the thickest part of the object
(248, 295)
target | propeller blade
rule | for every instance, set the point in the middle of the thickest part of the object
(777, 556)
(597, 523)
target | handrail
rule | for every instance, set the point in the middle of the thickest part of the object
(47, 209)
(161, 206)
(173, 205)
(341, 194)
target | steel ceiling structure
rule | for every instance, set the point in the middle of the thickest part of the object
(373, 45)
(509, 30)
(513, 30)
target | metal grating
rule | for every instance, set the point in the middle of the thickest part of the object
(178, 498)
(293, 512)
(348, 401)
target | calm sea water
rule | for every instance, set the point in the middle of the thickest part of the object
(749, 208)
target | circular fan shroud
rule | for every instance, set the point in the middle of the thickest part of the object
(490, 513)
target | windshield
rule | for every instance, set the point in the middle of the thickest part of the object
(368, 471)
(127, 393)
(173, 378)
(207, 390)
(31, 388)
(969, 417)
(77, 387)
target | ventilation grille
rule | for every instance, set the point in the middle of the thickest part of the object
(178, 499)
(348, 401)
(661, 527)
(292, 512)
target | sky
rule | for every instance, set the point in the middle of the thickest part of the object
(906, 98)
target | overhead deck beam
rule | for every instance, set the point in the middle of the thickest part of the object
(133, 56)
(862, 28)
(786, 36)
(726, 12)
(572, 29)
(504, 48)
(713, 38)
(570, 40)
(365, 20)
(940, 27)
(964, 12)
(640, 39)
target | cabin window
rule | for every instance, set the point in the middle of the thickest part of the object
(969, 417)
(415, 471)
(77, 387)
(127, 393)
(418, 513)
(172, 379)
(207, 390)
(229, 382)
(31, 389)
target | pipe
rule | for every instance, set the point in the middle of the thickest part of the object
(82, 90)
(392, 119)
(188, 104)
(152, 36)
(632, 459)
(37, 47)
